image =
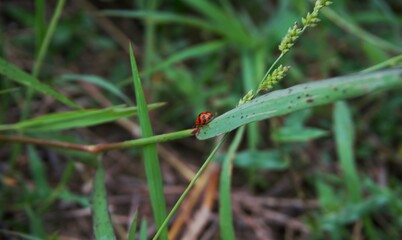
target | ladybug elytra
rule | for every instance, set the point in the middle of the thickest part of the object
(203, 118)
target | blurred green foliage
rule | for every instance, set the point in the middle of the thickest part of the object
(205, 55)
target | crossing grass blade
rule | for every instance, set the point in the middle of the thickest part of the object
(302, 96)
(75, 119)
(102, 223)
(16, 74)
(103, 83)
(151, 161)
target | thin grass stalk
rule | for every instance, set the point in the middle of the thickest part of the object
(190, 185)
(41, 54)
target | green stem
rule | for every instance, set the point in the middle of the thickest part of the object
(190, 185)
(98, 148)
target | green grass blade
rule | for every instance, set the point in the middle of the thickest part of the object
(229, 25)
(163, 18)
(38, 171)
(36, 225)
(143, 230)
(60, 189)
(347, 24)
(19, 235)
(260, 160)
(40, 24)
(102, 224)
(16, 74)
(194, 51)
(133, 227)
(101, 82)
(302, 96)
(344, 136)
(48, 36)
(189, 187)
(225, 211)
(151, 161)
(75, 119)
(297, 134)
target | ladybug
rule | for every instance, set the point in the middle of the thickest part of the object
(203, 118)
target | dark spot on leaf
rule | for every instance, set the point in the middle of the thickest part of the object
(310, 100)
(298, 97)
(335, 88)
(241, 117)
(344, 90)
(308, 95)
(326, 96)
(289, 107)
(290, 90)
(306, 87)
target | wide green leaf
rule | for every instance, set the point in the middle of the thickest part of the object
(302, 96)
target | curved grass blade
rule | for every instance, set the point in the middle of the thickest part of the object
(16, 74)
(151, 161)
(302, 96)
(74, 119)
(103, 83)
(163, 17)
(102, 224)
(194, 51)
(359, 32)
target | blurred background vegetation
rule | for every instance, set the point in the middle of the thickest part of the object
(197, 56)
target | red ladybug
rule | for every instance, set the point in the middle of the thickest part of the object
(203, 118)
